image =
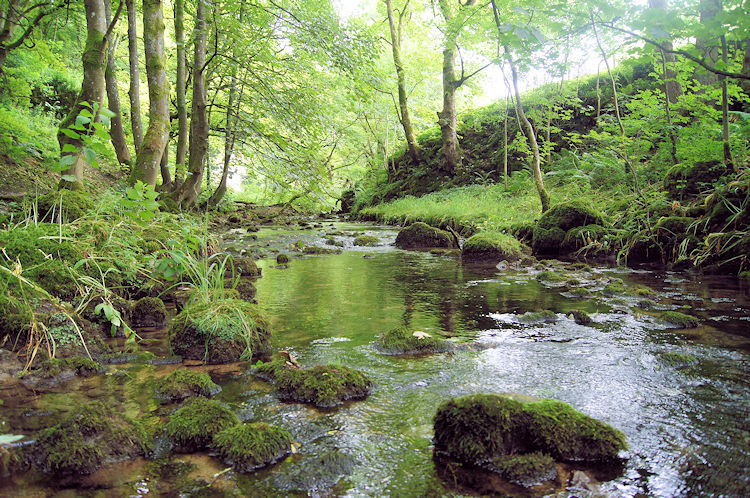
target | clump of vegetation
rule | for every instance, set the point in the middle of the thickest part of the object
(320, 250)
(680, 320)
(581, 317)
(282, 259)
(64, 205)
(55, 367)
(89, 437)
(194, 426)
(551, 229)
(221, 331)
(148, 312)
(366, 240)
(526, 470)
(422, 235)
(184, 383)
(534, 317)
(401, 341)
(690, 179)
(250, 446)
(491, 246)
(322, 386)
(677, 360)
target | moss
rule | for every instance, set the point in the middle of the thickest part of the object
(320, 250)
(677, 360)
(567, 215)
(244, 267)
(184, 383)
(90, 436)
(579, 292)
(194, 426)
(282, 259)
(79, 365)
(16, 318)
(366, 240)
(534, 317)
(547, 241)
(322, 386)
(686, 180)
(745, 275)
(74, 203)
(482, 428)
(581, 317)
(680, 320)
(247, 447)
(148, 312)
(526, 470)
(219, 331)
(402, 341)
(616, 288)
(579, 237)
(550, 277)
(491, 246)
(422, 235)
(246, 290)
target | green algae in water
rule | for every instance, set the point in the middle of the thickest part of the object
(535, 317)
(250, 446)
(402, 341)
(680, 320)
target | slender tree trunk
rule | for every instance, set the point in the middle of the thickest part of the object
(136, 122)
(447, 116)
(190, 188)
(708, 48)
(745, 84)
(182, 115)
(668, 112)
(411, 138)
(166, 177)
(672, 87)
(505, 143)
(113, 98)
(147, 163)
(725, 110)
(92, 91)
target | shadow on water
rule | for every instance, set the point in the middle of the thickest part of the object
(687, 424)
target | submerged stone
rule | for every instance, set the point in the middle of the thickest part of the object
(366, 240)
(250, 446)
(221, 331)
(194, 426)
(680, 320)
(401, 341)
(55, 370)
(526, 470)
(491, 247)
(148, 312)
(324, 386)
(422, 235)
(184, 383)
(534, 317)
(581, 317)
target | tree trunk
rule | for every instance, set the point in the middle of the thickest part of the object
(725, 110)
(134, 93)
(447, 116)
(147, 162)
(182, 116)
(745, 84)
(166, 177)
(93, 89)
(405, 117)
(672, 87)
(708, 47)
(191, 187)
(113, 98)
(505, 143)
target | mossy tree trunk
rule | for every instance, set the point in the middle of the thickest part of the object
(190, 188)
(113, 98)
(745, 84)
(182, 115)
(134, 93)
(725, 110)
(403, 104)
(166, 176)
(707, 47)
(147, 162)
(672, 87)
(447, 116)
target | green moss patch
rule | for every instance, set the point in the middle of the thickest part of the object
(552, 278)
(184, 383)
(536, 317)
(322, 386)
(72, 204)
(581, 317)
(194, 426)
(366, 240)
(680, 320)
(547, 240)
(526, 470)
(148, 312)
(320, 250)
(247, 447)
(246, 290)
(422, 235)
(579, 237)
(491, 246)
(677, 360)
(551, 230)
(401, 341)
(78, 365)
(244, 267)
(220, 331)
(90, 436)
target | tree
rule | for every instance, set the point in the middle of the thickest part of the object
(182, 117)
(135, 77)
(18, 18)
(113, 98)
(147, 161)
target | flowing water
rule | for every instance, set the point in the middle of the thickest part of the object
(687, 422)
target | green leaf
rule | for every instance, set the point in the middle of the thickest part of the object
(69, 178)
(90, 155)
(70, 133)
(67, 160)
(69, 148)
(83, 120)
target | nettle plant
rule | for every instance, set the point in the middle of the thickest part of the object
(90, 130)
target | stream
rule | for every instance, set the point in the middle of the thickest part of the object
(687, 422)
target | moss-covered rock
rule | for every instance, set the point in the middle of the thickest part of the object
(244, 267)
(677, 360)
(321, 250)
(550, 231)
(246, 290)
(184, 383)
(220, 331)
(403, 341)
(322, 386)
(422, 235)
(581, 317)
(250, 446)
(491, 247)
(579, 237)
(551, 278)
(686, 180)
(366, 240)
(89, 437)
(282, 259)
(536, 317)
(148, 312)
(547, 241)
(78, 365)
(73, 203)
(194, 425)
(680, 320)
(480, 429)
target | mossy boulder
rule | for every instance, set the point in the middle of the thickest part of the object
(320, 250)
(421, 235)
(193, 426)
(282, 259)
(680, 320)
(52, 371)
(687, 180)
(491, 247)
(581, 317)
(579, 237)
(148, 312)
(250, 446)
(551, 229)
(243, 267)
(72, 204)
(184, 383)
(402, 341)
(90, 436)
(220, 331)
(246, 290)
(538, 317)
(324, 386)
(480, 429)
(552, 278)
(547, 241)
(526, 470)
(366, 240)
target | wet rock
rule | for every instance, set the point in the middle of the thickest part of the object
(551, 278)
(282, 259)
(537, 317)
(526, 470)
(402, 341)
(244, 267)
(679, 320)
(148, 312)
(184, 383)
(441, 251)
(490, 247)
(422, 235)
(53, 371)
(315, 474)
(89, 437)
(677, 360)
(9, 365)
(320, 250)
(250, 446)
(581, 317)
(165, 360)
(366, 240)
(193, 427)
(222, 331)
